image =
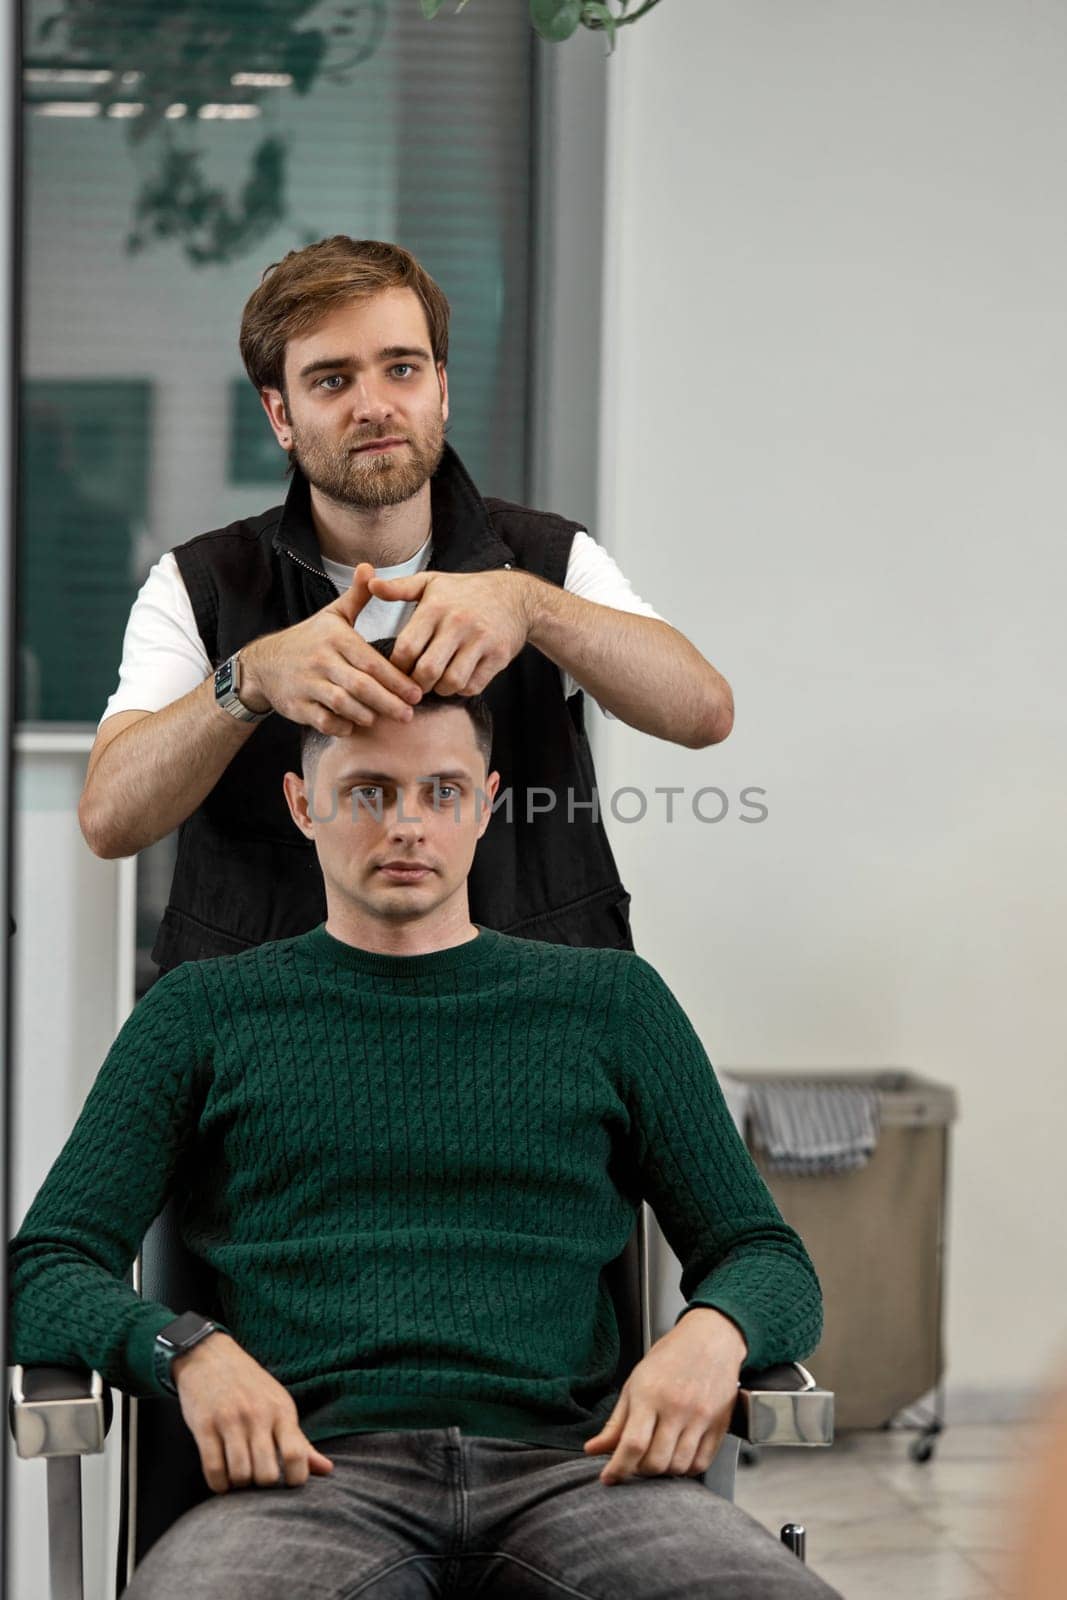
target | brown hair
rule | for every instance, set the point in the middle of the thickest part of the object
(296, 293)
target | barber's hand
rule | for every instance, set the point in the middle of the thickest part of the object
(676, 1405)
(244, 1422)
(465, 628)
(320, 672)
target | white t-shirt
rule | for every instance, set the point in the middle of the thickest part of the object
(163, 655)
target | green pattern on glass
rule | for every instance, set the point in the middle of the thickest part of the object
(190, 59)
(84, 503)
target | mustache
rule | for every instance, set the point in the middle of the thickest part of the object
(357, 441)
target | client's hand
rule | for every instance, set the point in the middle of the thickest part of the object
(676, 1404)
(244, 1422)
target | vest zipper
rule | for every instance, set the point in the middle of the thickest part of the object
(319, 573)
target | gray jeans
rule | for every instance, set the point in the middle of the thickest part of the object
(407, 1516)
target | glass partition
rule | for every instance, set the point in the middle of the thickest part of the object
(172, 151)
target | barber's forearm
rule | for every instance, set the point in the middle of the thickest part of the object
(640, 669)
(156, 772)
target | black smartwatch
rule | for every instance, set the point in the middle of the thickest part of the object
(177, 1339)
(228, 691)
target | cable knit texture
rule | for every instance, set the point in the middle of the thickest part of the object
(407, 1174)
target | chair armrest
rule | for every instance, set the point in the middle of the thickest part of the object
(58, 1411)
(60, 1414)
(783, 1405)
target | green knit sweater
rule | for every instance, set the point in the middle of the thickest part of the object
(407, 1174)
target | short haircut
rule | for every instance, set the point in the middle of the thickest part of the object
(297, 292)
(313, 743)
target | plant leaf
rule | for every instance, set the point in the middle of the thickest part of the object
(430, 8)
(594, 11)
(555, 20)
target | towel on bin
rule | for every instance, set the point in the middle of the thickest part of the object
(811, 1129)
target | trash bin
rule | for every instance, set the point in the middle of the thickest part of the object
(877, 1238)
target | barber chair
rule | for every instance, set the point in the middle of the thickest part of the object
(60, 1415)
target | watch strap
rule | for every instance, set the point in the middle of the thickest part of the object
(227, 691)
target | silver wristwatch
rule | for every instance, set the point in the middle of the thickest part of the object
(228, 691)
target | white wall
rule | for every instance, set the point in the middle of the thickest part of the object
(834, 398)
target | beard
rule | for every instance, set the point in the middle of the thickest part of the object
(368, 482)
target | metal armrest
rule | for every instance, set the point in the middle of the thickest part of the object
(58, 1411)
(783, 1405)
(59, 1415)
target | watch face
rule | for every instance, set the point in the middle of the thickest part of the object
(181, 1329)
(224, 678)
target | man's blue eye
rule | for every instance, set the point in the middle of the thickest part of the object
(334, 377)
(403, 366)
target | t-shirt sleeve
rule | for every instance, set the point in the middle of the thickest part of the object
(163, 655)
(70, 1304)
(737, 1252)
(593, 575)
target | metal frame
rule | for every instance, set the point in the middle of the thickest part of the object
(10, 280)
(568, 154)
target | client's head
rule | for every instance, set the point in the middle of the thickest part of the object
(395, 810)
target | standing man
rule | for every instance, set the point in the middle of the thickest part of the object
(242, 634)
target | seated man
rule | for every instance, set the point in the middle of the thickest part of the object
(408, 1147)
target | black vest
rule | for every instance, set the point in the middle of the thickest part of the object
(244, 872)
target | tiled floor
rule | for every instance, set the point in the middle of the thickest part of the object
(882, 1527)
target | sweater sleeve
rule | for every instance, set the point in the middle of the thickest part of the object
(70, 1304)
(737, 1253)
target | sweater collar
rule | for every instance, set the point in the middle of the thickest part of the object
(323, 950)
(464, 539)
